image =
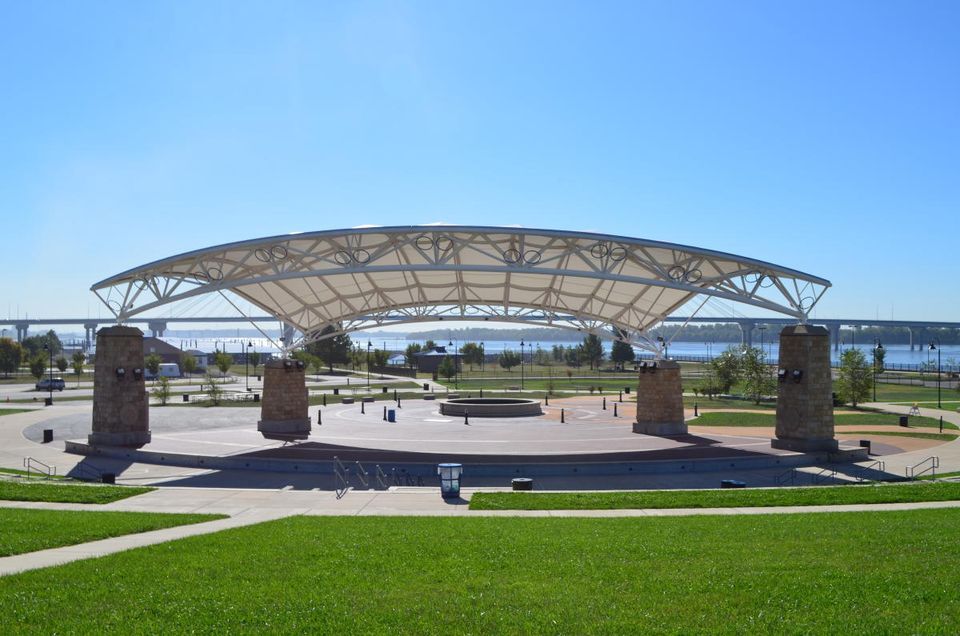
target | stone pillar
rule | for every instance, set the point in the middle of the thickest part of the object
(660, 400)
(284, 403)
(805, 391)
(120, 406)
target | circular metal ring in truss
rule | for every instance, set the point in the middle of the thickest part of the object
(356, 277)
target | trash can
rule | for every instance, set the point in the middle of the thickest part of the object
(904, 420)
(626, 390)
(426, 386)
(865, 443)
(450, 480)
(391, 415)
(522, 483)
(256, 397)
(47, 401)
(733, 483)
(336, 391)
(47, 435)
(186, 397)
(384, 389)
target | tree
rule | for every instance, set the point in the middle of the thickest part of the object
(34, 344)
(509, 359)
(11, 353)
(188, 363)
(593, 350)
(152, 362)
(224, 361)
(429, 345)
(332, 349)
(573, 355)
(61, 363)
(215, 392)
(447, 368)
(879, 354)
(78, 360)
(380, 358)
(162, 390)
(540, 356)
(38, 365)
(622, 353)
(317, 363)
(756, 375)
(412, 349)
(557, 353)
(254, 358)
(472, 354)
(855, 378)
(726, 369)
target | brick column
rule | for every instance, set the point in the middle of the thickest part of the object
(805, 391)
(284, 404)
(660, 400)
(120, 406)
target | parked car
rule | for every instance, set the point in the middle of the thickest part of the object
(46, 384)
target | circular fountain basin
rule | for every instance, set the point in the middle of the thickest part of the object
(491, 407)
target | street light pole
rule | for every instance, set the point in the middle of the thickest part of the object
(877, 348)
(521, 364)
(246, 364)
(932, 347)
(47, 347)
(456, 345)
(369, 344)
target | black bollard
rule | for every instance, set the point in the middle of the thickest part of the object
(621, 396)
(398, 402)
(384, 412)
(696, 412)
(395, 395)
(615, 410)
(546, 400)
(324, 399)
(362, 411)
(319, 417)
(481, 391)
(604, 404)
(562, 421)
(466, 417)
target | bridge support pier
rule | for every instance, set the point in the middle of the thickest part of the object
(835, 336)
(805, 392)
(283, 409)
(746, 332)
(22, 328)
(89, 332)
(660, 400)
(120, 406)
(157, 328)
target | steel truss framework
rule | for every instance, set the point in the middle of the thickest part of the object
(359, 278)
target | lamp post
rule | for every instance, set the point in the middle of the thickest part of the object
(49, 349)
(663, 346)
(932, 347)
(482, 356)
(246, 364)
(877, 349)
(521, 364)
(456, 345)
(369, 345)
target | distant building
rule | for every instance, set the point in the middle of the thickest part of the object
(429, 361)
(167, 352)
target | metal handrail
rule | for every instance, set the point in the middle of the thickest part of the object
(823, 475)
(879, 466)
(788, 476)
(32, 464)
(341, 483)
(934, 461)
(381, 478)
(362, 475)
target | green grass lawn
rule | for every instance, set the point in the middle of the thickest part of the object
(348, 575)
(30, 530)
(722, 498)
(839, 419)
(11, 490)
(12, 411)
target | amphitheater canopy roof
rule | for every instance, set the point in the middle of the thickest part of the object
(361, 277)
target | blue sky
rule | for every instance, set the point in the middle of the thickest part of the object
(822, 136)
